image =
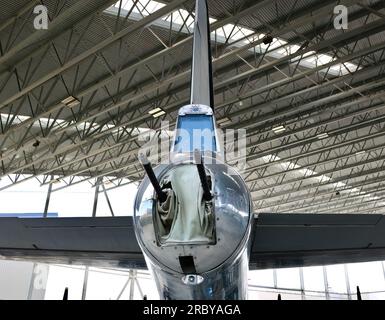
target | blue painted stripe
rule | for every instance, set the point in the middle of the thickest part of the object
(28, 215)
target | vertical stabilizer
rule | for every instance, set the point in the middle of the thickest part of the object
(201, 72)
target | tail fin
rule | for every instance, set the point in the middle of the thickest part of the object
(201, 72)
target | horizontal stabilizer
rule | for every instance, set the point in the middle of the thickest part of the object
(278, 240)
(102, 242)
(295, 240)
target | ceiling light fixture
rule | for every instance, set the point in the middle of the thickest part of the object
(161, 113)
(154, 111)
(70, 102)
(223, 121)
(279, 129)
(54, 181)
(323, 135)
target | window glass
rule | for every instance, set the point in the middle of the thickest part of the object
(372, 296)
(261, 278)
(288, 278)
(144, 284)
(313, 279)
(121, 199)
(368, 276)
(73, 201)
(195, 132)
(15, 279)
(291, 296)
(336, 279)
(312, 295)
(255, 294)
(109, 283)
(338, 296)
(61, 277)
(25, 198)
(105, 284)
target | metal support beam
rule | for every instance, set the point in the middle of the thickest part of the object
(96, 195)
(85, 283)
(108, 200)
(326, 283)
(99, 46)
(49, 191)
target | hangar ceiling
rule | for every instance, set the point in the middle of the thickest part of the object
(75, 97)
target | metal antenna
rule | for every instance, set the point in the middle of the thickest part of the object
(162, 196)
(201, 71)
(202, 175)
(65, 295)
(358, 293)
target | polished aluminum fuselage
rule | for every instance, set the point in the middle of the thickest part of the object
(223, 265)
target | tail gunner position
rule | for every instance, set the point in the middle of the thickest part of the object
(193, 216)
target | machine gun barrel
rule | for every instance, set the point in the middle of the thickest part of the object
(202, 175)
(162, 196)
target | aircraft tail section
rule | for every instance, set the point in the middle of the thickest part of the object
(201, 72)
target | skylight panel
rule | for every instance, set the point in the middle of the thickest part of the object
(324, 59)
(153, 6)
(181, 16)
(275, 44)
(233, 32)
(278, 48)
(288, 50)
(142, 7)
(319, 59)
(344, 68)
